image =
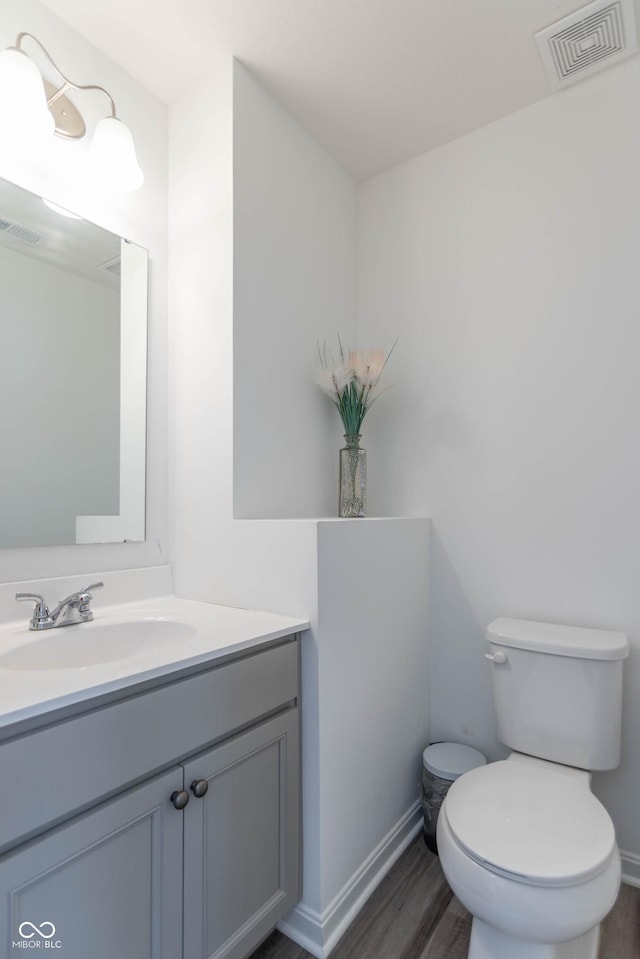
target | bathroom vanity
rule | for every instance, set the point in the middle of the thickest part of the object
(150, 804)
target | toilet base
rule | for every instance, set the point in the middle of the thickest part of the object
(487, 942)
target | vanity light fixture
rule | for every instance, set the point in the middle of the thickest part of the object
(32, 109)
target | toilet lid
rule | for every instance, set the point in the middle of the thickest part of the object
(530, 824)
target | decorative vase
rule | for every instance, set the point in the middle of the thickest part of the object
(353, 478)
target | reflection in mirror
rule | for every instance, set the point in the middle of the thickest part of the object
(73, 320)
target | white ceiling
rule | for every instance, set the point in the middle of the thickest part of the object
(375, 81)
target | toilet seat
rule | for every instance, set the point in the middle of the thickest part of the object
(530, 824)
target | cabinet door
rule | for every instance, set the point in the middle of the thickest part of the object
(107, 884)
(241, 840)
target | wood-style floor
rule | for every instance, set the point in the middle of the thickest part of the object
(414, 915)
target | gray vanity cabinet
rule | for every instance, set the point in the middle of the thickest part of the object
(241, 840)
(161, 826)
(109, 883)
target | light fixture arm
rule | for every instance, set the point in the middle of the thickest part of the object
(66, 83)
(33, 108)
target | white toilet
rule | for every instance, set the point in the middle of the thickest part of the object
(523, 843)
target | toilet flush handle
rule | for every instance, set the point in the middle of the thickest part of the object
(498, 657)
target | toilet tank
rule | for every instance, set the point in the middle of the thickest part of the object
(557, 691)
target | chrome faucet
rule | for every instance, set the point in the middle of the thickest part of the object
(70, 611)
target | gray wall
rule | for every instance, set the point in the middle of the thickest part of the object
(507, 262)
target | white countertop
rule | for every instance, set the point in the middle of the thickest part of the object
(216, 632)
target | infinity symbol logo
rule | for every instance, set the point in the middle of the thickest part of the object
(39, 930)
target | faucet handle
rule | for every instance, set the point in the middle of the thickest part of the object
(85, 597)
(41, 615)
(87, 589)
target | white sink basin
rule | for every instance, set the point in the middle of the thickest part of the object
(90, 644)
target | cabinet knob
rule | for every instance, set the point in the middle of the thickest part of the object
(180, 798)
(199, 788)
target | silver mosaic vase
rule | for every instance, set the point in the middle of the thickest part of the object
(353, 478)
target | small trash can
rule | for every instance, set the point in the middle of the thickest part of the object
(442, 763)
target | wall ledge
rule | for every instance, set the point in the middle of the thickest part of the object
(319, 520)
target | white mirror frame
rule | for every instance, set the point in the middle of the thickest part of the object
(129, 524)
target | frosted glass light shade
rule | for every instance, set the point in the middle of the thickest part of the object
(24, 114)
(113, 157)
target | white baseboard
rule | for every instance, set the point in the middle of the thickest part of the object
(304, 926)
(630, 868)
(319, 933)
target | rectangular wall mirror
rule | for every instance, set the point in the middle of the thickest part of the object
(73, 361)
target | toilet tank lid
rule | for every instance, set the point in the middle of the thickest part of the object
(580, 642)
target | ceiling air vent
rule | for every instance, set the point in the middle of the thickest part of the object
(111, 266)
(19, 232)
(588, 40)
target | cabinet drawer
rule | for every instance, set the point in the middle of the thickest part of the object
(49, 774)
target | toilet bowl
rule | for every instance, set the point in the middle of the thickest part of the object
(531, 853)
(524, 844)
